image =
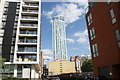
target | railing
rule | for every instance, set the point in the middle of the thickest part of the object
(31, 4)
(26, 58)
(33, 25)
(28, 41)
(30, 10)
(28, 32)
(25, 17)
(27, 49)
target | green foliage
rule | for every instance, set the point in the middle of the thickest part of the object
(87, 66)
(2, 61)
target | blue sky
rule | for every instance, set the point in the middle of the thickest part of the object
(77, 36)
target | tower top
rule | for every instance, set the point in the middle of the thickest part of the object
(60, 17)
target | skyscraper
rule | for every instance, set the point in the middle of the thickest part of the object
(59, 38)
(20, 37)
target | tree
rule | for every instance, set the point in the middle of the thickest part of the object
(2, 61)
(87, 66)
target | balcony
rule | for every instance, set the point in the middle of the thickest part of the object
(31, 4)
(28, 32)
(28, 41)
(28, 17)
(30, 25)
(27, 49)
(33, 11)
(26, 58)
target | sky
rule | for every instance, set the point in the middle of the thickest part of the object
(76, 29)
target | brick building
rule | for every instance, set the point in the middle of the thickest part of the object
(103, 23)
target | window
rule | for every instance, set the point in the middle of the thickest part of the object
(12, 49)
(92, 33)
(112, 16)
(4, 17)
(117, 34)
(89, 19)
(3, 24)
(15, 24)
(95, 50)
(6, 4)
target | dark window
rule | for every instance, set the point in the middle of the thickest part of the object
(117, 35)
(89, 19)
(95, 50)
(92, 33)
(112, 14)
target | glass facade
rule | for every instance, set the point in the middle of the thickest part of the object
(59, 38)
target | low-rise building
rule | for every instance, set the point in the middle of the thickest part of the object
(61, 66)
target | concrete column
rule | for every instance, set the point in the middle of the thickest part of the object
(15, 70)
(32, 71)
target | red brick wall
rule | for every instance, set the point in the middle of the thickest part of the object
(109, 53)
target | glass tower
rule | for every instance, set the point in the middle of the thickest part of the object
(59, 38)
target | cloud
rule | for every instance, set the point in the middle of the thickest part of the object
(71, 11)
(48, 57)
(70, 40)
(82, 36)
(47, 51)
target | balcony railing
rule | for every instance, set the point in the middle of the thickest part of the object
(28, 32)
(33, 25)
(26, 58)
(27, 49)
(30, 11)
(28, 41)
(26, 17)
(28, 4)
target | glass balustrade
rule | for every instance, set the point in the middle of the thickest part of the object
(28, 41)
(33, 25)
(27, 49)
(30, 10)
(26, 58)
(27, 17)
(28, 4)
(28, 32)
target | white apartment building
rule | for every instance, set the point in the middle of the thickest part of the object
(20, 39)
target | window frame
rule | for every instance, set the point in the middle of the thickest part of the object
(112, 15)
(92, 33)
(95, 50)
(89, 19)
(117, 36)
